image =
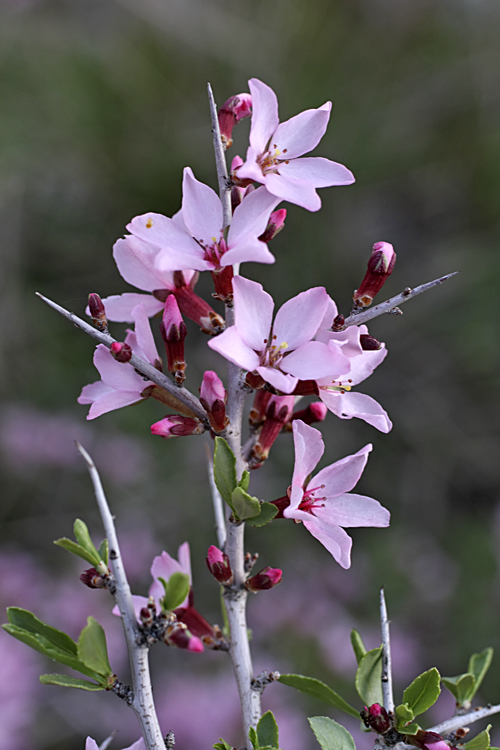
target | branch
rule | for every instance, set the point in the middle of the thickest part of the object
(142, 703)
(463, 720)
(386, 656)
(220, 523)
(220, 161)
(391, 305)
(145, 368)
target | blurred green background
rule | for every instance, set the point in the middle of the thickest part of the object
(102, 103)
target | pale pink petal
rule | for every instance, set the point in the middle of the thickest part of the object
(318, 171)
(164, 565)
(251, 170)
(93, 392)
(300, 192)
(252, 215)
(230, 345)
(139, 602)
(253, 312)
(331, 312)
(348, 340)
(363, 365)
(144, 335)
(121, 377)
(349, 405)
(278, 379)
(351, 511)
(293, 511)
(298, 319)
(135, 261)
(302, 133)
(91, 744)
(155, 229)
(335, 539)
(111, 401)
(248, 249)
(309, 447)
(119, 306)
(315, 360)
(138, 745)
(184, 556)
(201, 209)
(192, 256)
(341, 476)
(264, 114)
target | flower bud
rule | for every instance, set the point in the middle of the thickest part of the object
(232, 111)
(213, 398)
(120, 351)
(376, 718)
(266, 579)
(93, 579)
(380, 267)
(173, 331)
(275, 224)
(427, 740)
(278, 412)
(146, 615)
(223, 280)
(179, 635)
(191, 305)
(176, 425)
(338, 322)
(257, 413)
(315, 412)
(369, 343)
(218, 565)
(98, 313)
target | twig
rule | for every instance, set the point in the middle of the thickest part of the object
(145, 368)
(220, 523)
(386, 656)
(390, 305)
(463, 720)
(142, 703)
(107, 742)
(220, 161)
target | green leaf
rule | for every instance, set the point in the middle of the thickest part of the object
(267, 512)
(267, 731)
(423, 691)
(480, 741)
(92, 649)
(403, 715)
(478, 666)
(357, 645)
(244, 482)
(224, 470)
(65, 681)
(318, 689)
(330, 735)
(244, 505)
(462, 687)
(82, 536)
(25, 620)
(253, 738)
(103, 551)
(222, 745)
(411, 729)
(176, 590)
(369, 677)
(75, 549)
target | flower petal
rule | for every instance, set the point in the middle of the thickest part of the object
(301, 133)
(155, 229)
(135, 260)
(351, 511)
(264, 114)
(121, 377)
(144, 335)
(252, 215)
(278, 379)
(119, 306)
(309, 447)
(335, 539)
(193, 256)
(349, 405)
(248, 249)
(313, 358)
(343, 475)
(253, 312)
(201, 209)
(297, 321)
(363, 365)
(251, 170)
(318, 171)
(300, 192)
(93, 392)
(111, 401)
(230, 345)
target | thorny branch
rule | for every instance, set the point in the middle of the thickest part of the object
(386, 656)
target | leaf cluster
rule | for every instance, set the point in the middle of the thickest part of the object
(84, 546)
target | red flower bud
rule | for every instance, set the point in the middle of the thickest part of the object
(120, 351)
(380, 267)
(376, 718)
(177, 426)
(275, 225)
(218, 565)
(173, 331)
(213, 398)
(179, 635)
(98, 313)
(279, 409)
(267, 578)
(315, 412)
(369, 343)
(232, 111)
(93, 579)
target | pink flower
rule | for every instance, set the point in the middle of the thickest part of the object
(120, 384)
(324, 503)
(286, 353)
(194, 238)
(272, 158)
(91, 744)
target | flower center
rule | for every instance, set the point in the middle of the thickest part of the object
(214, 251)
(337, 386)
(269, 161)
(309, 502)
(273, 352)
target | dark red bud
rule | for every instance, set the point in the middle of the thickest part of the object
(376, 718)
(274, 226)
(121, 352)
(93, 579)
(146, 615)
(338, 322)
(218, 565)
(98, 313)
(267, 578)
(369, 343)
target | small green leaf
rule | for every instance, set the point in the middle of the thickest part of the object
(244, 482)
(357, 645)
(369, 677)
(479, 665)
(403, 715)
(423, 691)
(70, 546)
(244, 505)
(176, 590)
(253, 738)
(224, 470)
(330, 735)
(462, 687)
(267, 512)
(65, 681)
(82, 536)
(411, 729)
(92, 649)
(267, 731)
(480, 741)
(222, 745)
(318, 689)
(103, 551)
